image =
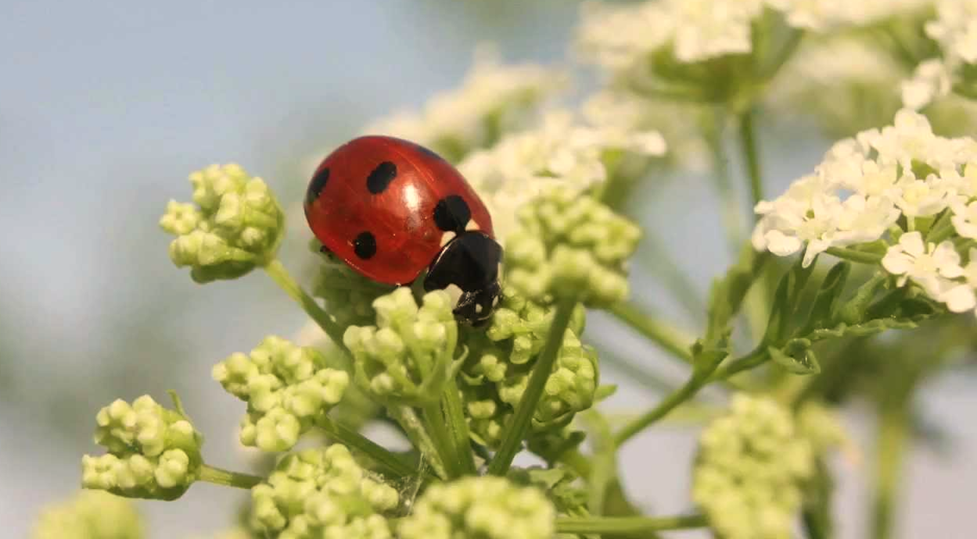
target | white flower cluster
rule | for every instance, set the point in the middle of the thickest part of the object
(863, 188)
(558, 153)
(618, 37)
(493, 98)
(955, 30)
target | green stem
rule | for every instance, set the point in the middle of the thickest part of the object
(861, 257)
(227, 478)
(757, 357)
(749, 144)
(280, 275)
(620, 525)
(662, 409)
(434, 422)
(417, 434)
(458, 427)
(514, 435)
(720, 176)
(890, 451)
(391, 463)
(668, 338)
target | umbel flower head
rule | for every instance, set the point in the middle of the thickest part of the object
(90, 514)
(348, 296)
(570, 247)
(322, 493)
(286, 387)
(866, 186)
(749, 469)
(409, 354)
(560, 152)
(501, 359)
(234, 224)
(152, 452)
(484, 507)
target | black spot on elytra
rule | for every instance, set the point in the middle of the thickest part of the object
(380, 178)
(316, 186)
(452, 214)
(365, 245)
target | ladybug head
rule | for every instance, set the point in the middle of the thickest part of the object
(470, 262)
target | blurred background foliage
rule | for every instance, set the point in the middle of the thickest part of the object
(104, 110)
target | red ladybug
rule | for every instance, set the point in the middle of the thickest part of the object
(391, 209)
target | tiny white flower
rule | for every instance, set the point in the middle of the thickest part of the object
(920, 198)
(804, 215)
(930, 266)
(865, 219)
(965, 185)
(964, 219)
(930, 81)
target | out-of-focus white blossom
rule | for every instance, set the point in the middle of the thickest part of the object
(864, 185)
(619, 37)
(494, 98)
(930, 81)
(965, 219)
(955, 29)
(559, 153)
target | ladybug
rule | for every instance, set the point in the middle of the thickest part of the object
(392, 209)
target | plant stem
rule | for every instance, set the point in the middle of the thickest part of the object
(390, 462)
(890, 450)
(724, 185)
(752, 157)
(227, 478)
(620, 525)
(861, 257)
(458, 427)
(418, 436)
(437, 428)
(512, 440)
(280, 275)
(660, 410)
(757, 357)
(657, 331)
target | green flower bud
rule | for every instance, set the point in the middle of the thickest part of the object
(822, 428)
(501, 359)
(409, 354)
(570, 247)
(322, 493)
(749, 470)
(237, 224)
(484, 507)
(152, 452)
(90, 515)
(348, 295)
(560, 487)
(286, 388)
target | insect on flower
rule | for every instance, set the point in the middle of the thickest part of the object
(390, 209)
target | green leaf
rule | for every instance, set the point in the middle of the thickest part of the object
(785, 301)
(826, 300)
(866, 329)
(800, 362)
(854, 311)
(604, 391)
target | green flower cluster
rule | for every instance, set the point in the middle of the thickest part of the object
(749, 470)
(501, 360)
(286, 388)
(409, 354)
(558, 483)
(348, 296)
(322, 494)
(152, 452)
(570, 246)
(480, 508)
(237, 224)
(90, 515)
(821, 427)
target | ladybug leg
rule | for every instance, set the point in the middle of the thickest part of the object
(470, 262)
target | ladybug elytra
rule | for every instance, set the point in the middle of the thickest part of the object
(392, 209)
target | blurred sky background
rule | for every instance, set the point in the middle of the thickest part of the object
(105, 107)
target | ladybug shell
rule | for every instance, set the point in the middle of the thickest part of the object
(387, 206)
